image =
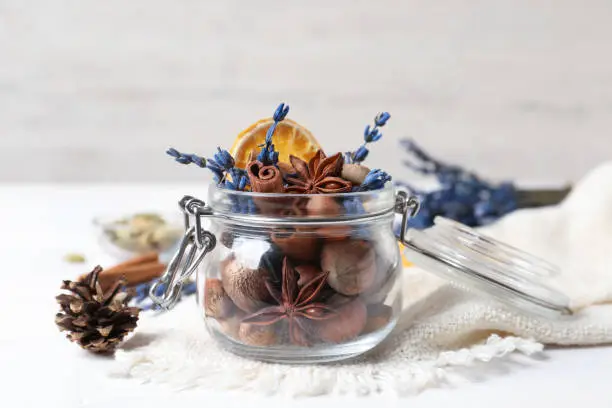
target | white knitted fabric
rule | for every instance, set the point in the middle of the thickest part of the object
(441, 327)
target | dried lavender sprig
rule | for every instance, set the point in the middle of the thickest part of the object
(374, 180)
(141, 298)
(445, 173)
(462, 196)
(224, 160)
(220, 165)
(188, 158)
(370, 135)
(268, 155)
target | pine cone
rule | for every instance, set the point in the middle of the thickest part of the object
(97, 321)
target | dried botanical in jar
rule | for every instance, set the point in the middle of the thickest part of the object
(351, 265)
(245, 286)
(217, 303)
(348, 323)
(299, 307)
(379, 316)
(300, 244)
(257, 335)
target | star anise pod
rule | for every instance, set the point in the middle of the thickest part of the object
(320, 175)
(298, 306)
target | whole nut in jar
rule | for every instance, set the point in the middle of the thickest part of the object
(323, 205)
(348, 323)
(257, 335)
(300, 245)
(245, 286)
(351, 265)
(379, 316)
(217, 303)
(307, 273)
(231, 325)
(355, 173)
(384, 280)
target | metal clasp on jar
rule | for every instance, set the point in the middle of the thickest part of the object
(194, 246)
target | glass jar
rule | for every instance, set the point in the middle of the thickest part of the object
(313, 278)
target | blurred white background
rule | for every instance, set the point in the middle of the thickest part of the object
(96, 90)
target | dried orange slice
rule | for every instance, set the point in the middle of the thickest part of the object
(290, 138)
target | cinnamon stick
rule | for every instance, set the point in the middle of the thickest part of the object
(137, 270)
(264, 179)
(141, 259)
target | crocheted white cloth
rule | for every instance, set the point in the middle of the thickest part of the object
(441, 327)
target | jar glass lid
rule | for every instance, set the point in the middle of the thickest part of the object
(484, 265)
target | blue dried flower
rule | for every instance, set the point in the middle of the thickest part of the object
(371, 134)
(224, 159)
(360, 154)
(268, 155)
(186, 158)
(381, 119)
(374, 180)
(462, 196)
(141, 299)
(353, 206)
(220, 165)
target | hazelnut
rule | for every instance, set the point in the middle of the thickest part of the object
(351, 265)
(321, 204)
(387, 273)
(301, 245)
(245, 286)
(231, 325)
(379, 316)
(346, 325)
(355, 173)
(307, 273)
(217, 303)
(257, 335)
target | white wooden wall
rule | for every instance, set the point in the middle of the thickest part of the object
(96, 90)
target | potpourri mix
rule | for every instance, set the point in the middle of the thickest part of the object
(308, 285)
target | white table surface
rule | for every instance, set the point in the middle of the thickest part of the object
(39, 368)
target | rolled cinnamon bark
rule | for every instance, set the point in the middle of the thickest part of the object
(264, 179)
(137, 270)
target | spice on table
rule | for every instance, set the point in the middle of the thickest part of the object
(142, 233)
(95, 319)
(351, 265)
(140, 269)
(74, 258)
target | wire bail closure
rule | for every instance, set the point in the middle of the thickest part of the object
(194, 246)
